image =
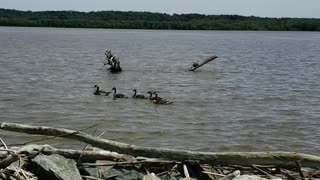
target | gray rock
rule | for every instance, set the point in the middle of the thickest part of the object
(151, 176)
(98, 171)
(55, 167)
(120, 173)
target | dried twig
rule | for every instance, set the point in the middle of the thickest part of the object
(215, 174)
(124, 163)
(185, 170)
(4, 144)
(300, 171)
(6, 147)
(91, 178)
(289, 176)
(88, 146)
(262, 171)
(23, 174)
(60, 135)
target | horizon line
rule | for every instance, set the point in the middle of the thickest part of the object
(171, 14)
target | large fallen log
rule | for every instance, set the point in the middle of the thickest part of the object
(228, 158)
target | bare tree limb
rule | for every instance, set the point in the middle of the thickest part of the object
(299, 170)
(88, 155)
(124, 163)
(205, 61)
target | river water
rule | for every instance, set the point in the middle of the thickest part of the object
(261, 94)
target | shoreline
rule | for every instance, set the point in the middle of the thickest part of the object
(136, 162)
(148, 20)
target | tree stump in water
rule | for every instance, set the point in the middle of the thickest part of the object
(113, 61)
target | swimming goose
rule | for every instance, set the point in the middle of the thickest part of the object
(100, 92)
(150, 95)
(159, 100)
(115, 95)
(157, 97)
(138, 96)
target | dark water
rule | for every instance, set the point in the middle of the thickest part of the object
(262, 93)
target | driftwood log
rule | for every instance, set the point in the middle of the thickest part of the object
(8, 160)
(228, 158)
(205, 61)
(83, 155)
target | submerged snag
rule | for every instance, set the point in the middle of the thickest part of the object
(113, 61)
(197, 64)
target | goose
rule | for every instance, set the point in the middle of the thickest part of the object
(115, 95)
(150, 95)
(159, 100)
(138, 96)
(157, 97)
(100, 92)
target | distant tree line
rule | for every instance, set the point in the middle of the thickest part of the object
(148, 20)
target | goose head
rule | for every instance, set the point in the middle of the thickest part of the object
(114, 89)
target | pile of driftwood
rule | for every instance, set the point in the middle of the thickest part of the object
(106, 159)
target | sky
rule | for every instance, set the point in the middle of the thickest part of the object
(262, 8)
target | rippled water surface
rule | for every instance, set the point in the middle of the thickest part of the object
(262, 93)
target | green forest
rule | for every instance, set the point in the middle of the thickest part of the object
(148, 20)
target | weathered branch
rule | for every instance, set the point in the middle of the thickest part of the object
(205, 61)
(229, 158)
(126, 163)
(87, 155)
(8, 160)
(83, 155)
(91, 178)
